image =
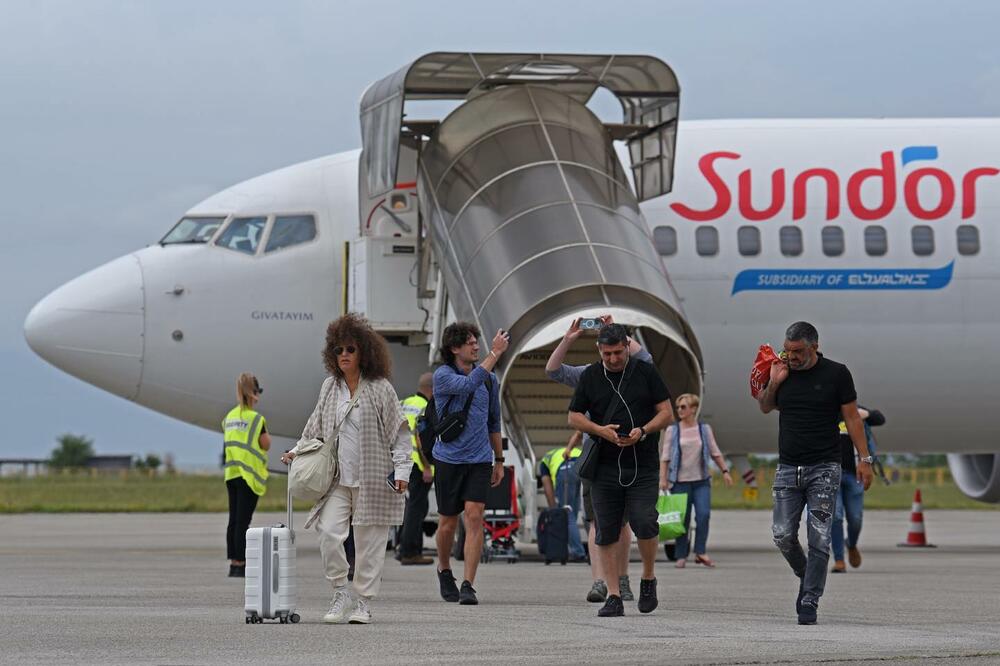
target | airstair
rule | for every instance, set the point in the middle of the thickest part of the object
(522, 215)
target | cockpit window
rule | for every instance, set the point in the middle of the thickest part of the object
(193, 230)
(243, 234)
(291, 230)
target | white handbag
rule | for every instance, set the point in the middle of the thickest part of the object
(317, 467)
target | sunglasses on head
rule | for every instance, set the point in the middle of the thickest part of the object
(256, 387)
(350, 349)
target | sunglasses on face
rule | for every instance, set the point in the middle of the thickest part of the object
(680, 407)
(350, 349)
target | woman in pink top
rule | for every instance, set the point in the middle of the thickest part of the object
(684, 462)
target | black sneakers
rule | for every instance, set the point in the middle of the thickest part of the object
(237, 571)
(647, 595)
(807, 612)
(449, 592)
(613, 607)
(802, 591)
(467, 596)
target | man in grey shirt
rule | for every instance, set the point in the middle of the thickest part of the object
(569, 375)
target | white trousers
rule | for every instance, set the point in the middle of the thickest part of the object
(333, 524)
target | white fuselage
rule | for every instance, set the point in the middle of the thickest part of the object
(170, 327)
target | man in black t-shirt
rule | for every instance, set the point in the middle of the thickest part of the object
(628, 404)
(813, 394)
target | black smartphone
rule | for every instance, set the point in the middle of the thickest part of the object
(591, 324)
(391, 481)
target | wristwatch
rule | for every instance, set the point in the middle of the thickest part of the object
(644, 433)
(867, 459)
(498, 459)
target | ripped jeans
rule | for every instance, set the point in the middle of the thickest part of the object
(815, 486)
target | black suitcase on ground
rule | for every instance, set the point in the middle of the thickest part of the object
(553, 535)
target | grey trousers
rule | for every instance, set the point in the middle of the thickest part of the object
(794, 489)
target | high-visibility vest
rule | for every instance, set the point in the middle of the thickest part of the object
(244, 457)
(554, 459)
(413, 409)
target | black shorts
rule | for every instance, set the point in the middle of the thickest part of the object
(454, 485)
(615, 504)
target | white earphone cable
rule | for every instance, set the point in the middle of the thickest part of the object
(635, 456)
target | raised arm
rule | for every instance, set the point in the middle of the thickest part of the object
(559, 353)
(767, 399)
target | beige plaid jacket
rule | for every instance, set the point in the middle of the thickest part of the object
(381, 418)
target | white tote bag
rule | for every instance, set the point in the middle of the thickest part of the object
(316, 466)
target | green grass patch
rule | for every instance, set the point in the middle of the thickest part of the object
(134, 492)
(897, 495)
(137, 492)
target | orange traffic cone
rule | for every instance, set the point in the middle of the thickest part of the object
(916, 537)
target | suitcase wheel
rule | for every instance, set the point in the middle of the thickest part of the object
(248, 619)
(294, 617)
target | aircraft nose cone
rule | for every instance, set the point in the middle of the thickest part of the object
(92, 327)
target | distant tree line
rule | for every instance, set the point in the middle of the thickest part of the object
(75, 452)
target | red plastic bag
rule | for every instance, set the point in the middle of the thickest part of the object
(760, 373)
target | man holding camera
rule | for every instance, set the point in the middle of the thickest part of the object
(623, 404)
(468, 453)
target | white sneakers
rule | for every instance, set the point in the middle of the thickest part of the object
(343, 610)
(339, 607)
(362, 613)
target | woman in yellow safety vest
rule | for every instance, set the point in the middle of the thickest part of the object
(245, 465)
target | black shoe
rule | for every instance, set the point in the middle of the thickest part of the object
(449, 592)
(647, 595)
(238, 571)
(613, 607)
(802, 591)
(807, 612)
(232, 571)
(467, 596)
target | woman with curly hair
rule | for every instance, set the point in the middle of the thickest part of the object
(374, 441)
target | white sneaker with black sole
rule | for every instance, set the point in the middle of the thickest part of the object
(362, 613)
(340, 606)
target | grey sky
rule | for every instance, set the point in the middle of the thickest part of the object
(115, 117)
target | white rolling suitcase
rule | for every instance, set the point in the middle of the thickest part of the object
(270, 576)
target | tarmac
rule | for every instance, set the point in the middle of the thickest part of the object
(152, 588)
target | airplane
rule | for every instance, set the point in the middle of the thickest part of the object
(522, 209)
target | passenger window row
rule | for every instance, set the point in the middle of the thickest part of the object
(876, 240)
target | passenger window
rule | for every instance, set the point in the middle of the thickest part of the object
(665, 240)
(193, 230)
(923, 240)
(790, 239)
(706, 241)
(968, 239)
(291, 230)
(243, 234)
(748, 241)
(833, 241)
(876, 241)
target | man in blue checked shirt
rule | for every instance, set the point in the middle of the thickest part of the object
(468, 465)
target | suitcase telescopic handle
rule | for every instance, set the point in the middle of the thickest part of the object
(288, 500)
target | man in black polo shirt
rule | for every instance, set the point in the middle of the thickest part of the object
(813, 394)
(629, 405)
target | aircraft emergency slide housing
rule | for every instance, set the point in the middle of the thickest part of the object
(527, 216)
